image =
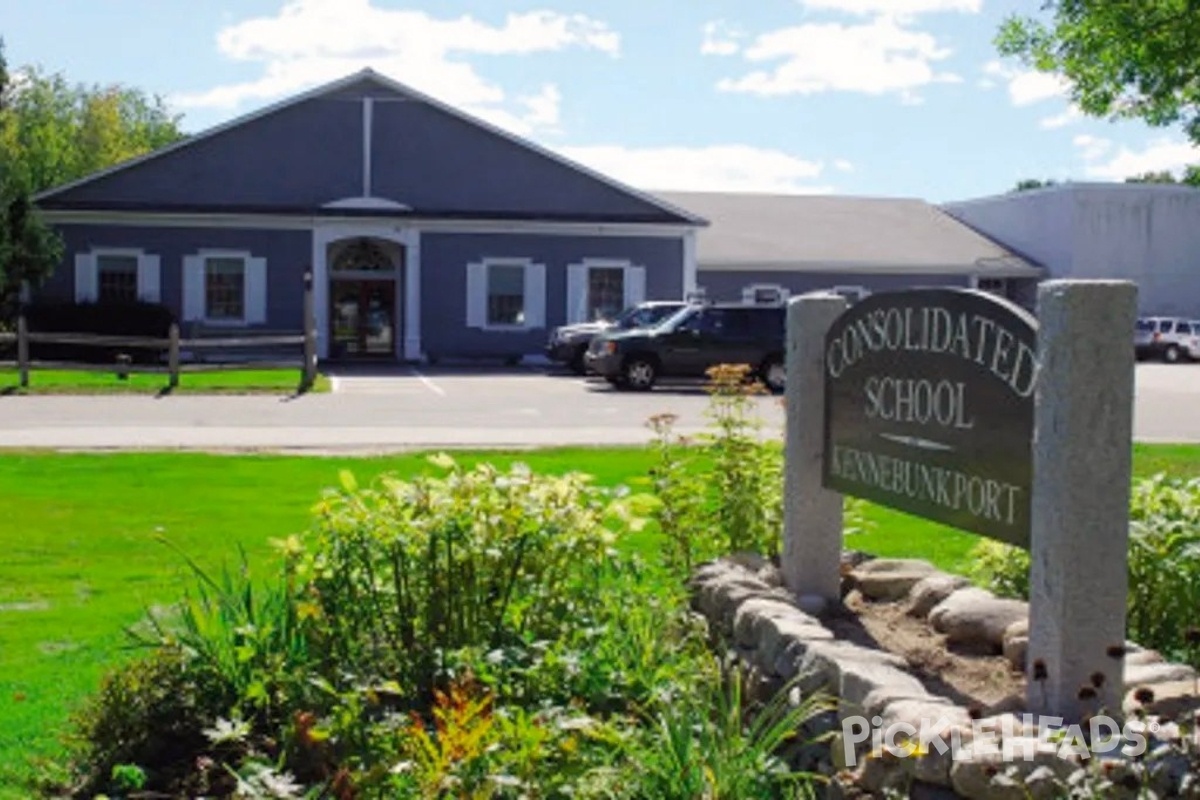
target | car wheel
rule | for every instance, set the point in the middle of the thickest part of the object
(640, 374)
(1171, 355)
(773, 374)
(576, 363)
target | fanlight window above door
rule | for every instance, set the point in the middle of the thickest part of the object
(363, 255)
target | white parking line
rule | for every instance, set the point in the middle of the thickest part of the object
(430, 385)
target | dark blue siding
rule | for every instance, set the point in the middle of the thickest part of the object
(441, 164)
(300, 157)
(444, 259)
(288, 254)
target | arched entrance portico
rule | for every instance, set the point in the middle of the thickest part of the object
(366, 287)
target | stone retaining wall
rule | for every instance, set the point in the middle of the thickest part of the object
(784, 645)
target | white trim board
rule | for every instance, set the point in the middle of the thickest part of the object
(305, 222)
(400, 88)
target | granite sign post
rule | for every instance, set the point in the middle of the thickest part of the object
(1082, 461)
(812, 541)
(929, 408)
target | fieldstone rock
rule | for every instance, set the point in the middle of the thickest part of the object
(1016, 650)
(1173, 700)
(819, 666)
(777, 633)
(1143, 657)
(889, 579)
(975, 617)
(859, 678)
(749, 617)
(749, 561)
(987, 774)
(719, 598)
(882, 773)
(933, 715)
(933, 589)
(1150, 674)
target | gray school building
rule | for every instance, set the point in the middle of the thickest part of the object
(431, 234)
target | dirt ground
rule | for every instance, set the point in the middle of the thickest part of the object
(977, 680)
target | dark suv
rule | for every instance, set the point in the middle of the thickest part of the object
(693, 340)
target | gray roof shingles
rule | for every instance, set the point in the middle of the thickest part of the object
(832, 233)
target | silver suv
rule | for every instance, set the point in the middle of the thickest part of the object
(1172, 339)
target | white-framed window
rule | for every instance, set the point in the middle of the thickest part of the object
(998, 286)
(225, 287)
(117, 275)
(601, 288)
(764, 294)
(506, 294)
(852, 293)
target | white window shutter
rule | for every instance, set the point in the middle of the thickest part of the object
(193, 288)
(86, 285)
(149, 279)
(535, 296)
(256, 291)
(477, 295)
(576, 293)
(635, 286)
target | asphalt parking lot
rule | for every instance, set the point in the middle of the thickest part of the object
(404, 408)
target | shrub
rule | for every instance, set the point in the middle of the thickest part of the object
(722, 492)
(406, 572)
(1164, 566)
(148, 718)
(1000, 567)
(107, 319)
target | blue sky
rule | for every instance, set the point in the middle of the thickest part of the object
(866, 97)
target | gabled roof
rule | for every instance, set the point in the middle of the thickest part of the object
(831, 233)
(61, 196)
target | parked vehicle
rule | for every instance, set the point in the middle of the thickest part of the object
(1172, 339)
(569, 343)
(693, 340)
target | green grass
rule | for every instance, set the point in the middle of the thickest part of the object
(82, 556)
(248, 381)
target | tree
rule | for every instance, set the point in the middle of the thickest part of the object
(1122, 58)
(1027, 184)
(52, 132)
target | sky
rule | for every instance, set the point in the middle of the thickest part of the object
(900, 98)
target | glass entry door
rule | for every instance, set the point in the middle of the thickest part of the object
(362, 318)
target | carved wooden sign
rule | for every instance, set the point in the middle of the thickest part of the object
(929, 408)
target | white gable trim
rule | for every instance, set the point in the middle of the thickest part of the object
(396, 86)
(304, 222)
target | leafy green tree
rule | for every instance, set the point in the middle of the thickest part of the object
(53, 132)
(1032, 183)
(1122, 58)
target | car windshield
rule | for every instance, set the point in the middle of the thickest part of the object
(676, 319)
(643, 316)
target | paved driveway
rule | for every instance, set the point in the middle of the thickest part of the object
(448, 408)
(366, 412)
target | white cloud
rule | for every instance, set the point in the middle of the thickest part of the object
(896, 7)
(1092, 147)
(720, 39)
(879, 57)
(312, 41)
(1068, 117)
(1158, 155)
(1026, 87)
(729, 168)
(842, 165)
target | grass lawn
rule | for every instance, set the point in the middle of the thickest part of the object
(82, 557)
(249, 381)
